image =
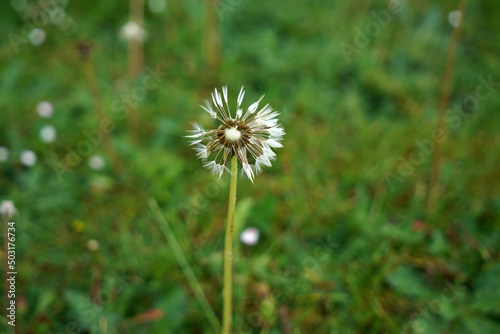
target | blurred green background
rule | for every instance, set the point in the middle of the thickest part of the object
(347, 244)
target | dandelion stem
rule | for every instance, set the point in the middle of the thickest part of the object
(228, 251)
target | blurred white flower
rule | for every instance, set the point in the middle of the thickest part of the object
(250, 236)
(37, 36)
(28, 158)
(4, 153)
(93, 245)
(48, 134)
(45, 109)
(96, 162)
(455, 18)
(7, 208)
(157, 6)
(133, 31)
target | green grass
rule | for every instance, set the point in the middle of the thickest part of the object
(341, 250)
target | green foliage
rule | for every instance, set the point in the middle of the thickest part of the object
(346, 245)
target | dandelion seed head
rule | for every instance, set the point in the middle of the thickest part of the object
(47, 134)
(28, 158)
(455, 18)
(93, 245)
(250, 136)
(96, 162)
(4, 153)
(37, 36)
(7, 208)
(133, 31)
(45, 109)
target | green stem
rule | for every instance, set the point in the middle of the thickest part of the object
(228, 251)
(184, 264)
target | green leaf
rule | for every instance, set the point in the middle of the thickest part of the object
(439, 245)
(481, 325)
(89, 315)
(175, 305)
(44, 301)
(407, 281)
(487, 291)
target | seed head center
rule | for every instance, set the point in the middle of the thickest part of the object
(232, 134)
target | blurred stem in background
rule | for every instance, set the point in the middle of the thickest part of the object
(136, 61)
(212, 43)
(95, 286)
(103, 122)
(228, 251)
(135, 45)
(184, 264)
(437, 161)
